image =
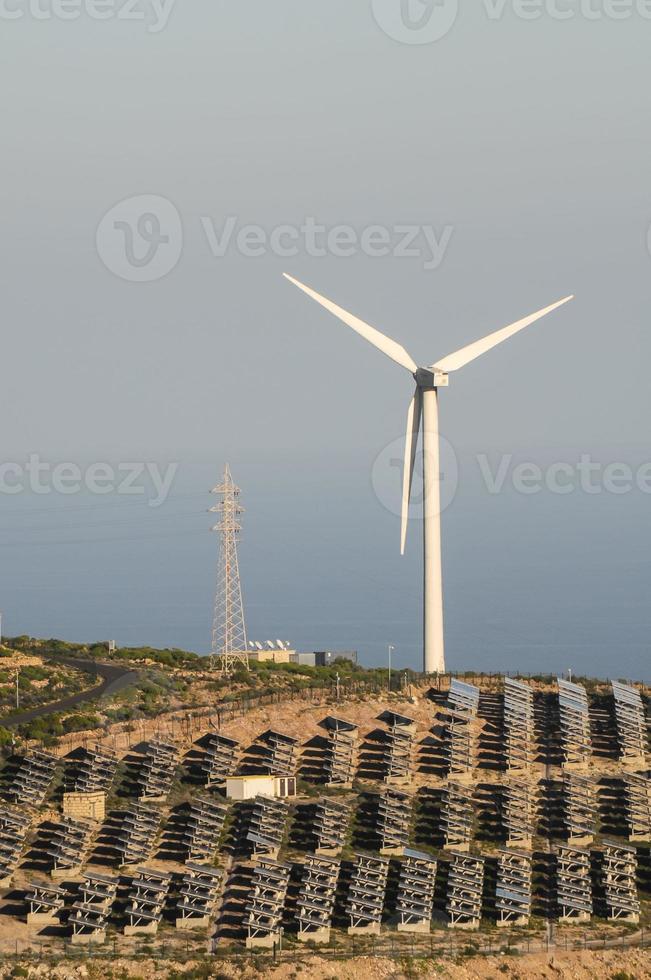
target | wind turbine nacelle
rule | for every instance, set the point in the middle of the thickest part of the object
(431, 378)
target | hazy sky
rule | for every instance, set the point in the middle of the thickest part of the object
(514, 151)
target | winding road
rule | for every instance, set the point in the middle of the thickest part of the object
(114, 679)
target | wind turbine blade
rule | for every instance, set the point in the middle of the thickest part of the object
(379, 340)
(462, 357)
(413, 428)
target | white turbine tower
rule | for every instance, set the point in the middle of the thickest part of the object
(423, 412)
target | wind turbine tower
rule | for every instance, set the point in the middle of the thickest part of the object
(423, 419)
(229, 647)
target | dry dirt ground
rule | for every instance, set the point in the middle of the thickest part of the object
(607, 965)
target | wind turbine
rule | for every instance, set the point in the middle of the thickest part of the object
(424, 412)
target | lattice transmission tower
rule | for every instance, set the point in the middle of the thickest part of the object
(229, 648)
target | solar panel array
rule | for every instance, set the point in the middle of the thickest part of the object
(278, 753)
(618, 879)
(219, 759)
(89, 916)
(459, 744)
(147, 898)
(394, 816)
(573, 884)
(519, 733)
(266, 903)
(465, 889)
(576, 743)
(156, 770)
(463, 698)
(69, 844)
(14, 825)
(316, 900)
(518, 808)
(266, 827)
(198, 895)
(416, 887)
(610, 871)
(93, 772)
(366, 893)
(139, 827)
(203, 827)
(637, 789)
(340, 752)
(513, 892)
(457, 816)
(579, 808)
(330, 826)
(33, 778)
(630, 721)
(398, 747)
(44, 902)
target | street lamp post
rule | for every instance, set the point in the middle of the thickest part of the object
(391, 649)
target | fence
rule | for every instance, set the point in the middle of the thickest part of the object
(183, 950)
(185, 725)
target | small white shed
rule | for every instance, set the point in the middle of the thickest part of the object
(247, 787)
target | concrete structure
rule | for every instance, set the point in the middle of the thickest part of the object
(273, 656)
(85, 806)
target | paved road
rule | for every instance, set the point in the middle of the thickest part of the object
(114, 679)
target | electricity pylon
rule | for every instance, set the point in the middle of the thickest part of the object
(229, 649)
